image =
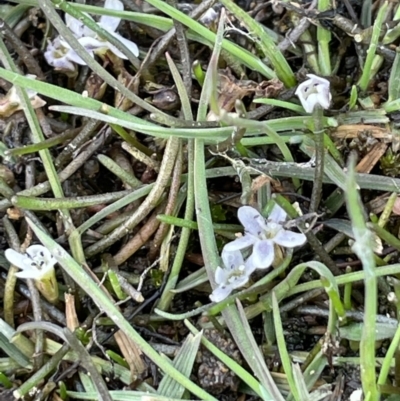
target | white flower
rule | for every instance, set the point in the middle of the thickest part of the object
(235, 273)
(94, 43)
(37, 262)
(263, 235)
(60, 57)
(315, 91)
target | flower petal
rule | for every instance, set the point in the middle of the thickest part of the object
(73, 56)
(277, 214)
(310, 102)
(239, 281)
(324, 96)
(38, 250)
(41, 253)
(91, 44)
(29, 273)
(232, 259)
(15, 258)
(107, 22)
(61, 63)
(250, 266)
(289, 239)
(128, 43)
(220, 293)
(263, 254)
(318, 80)
(242, 242)
(251, 220)
(221, 275)
(77, 27)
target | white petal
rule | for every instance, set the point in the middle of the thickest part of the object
(263, 254)
(319, 80)
(41, 251)
(289, 239)
(60, 63)
(240, 281)
(232, 259)
(129, 44)
(38, 250)
(277, 214)
(73, 57)
(324, 97)
(312, 101)
(32, 273)
(240, 243)
(220, 293)
(111, 23)
(89, 44)
(302, 89)
(116, 5)
(251, 220)
(77, 27)
(309, 103)
(250, 266)
(221, 275)
(92, 44)
(15, 258)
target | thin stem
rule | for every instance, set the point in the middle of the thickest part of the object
(363, 248)
(319, 160)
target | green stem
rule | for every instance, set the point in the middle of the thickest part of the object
(26, 202)
(324, 37)
(386, 365)
(123, 175)
(366, 75)
(363, 248)
(45, 144)
(319, 160)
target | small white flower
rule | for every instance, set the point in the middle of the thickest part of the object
(235, 273)
(37, 262)
(315, 91)
(60, 57)
(263, 235)
(94, 43)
